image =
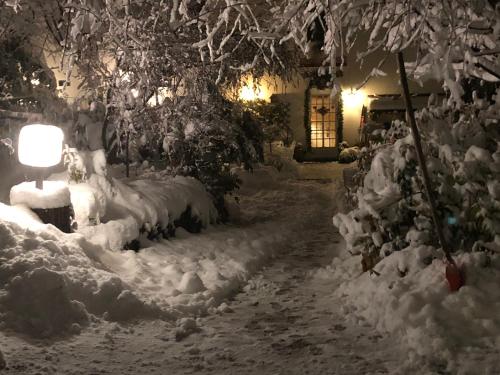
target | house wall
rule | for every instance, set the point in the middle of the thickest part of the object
(353, 76)
(354, 73)
(69, 92)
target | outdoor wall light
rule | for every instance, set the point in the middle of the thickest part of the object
(40, 146)
(352, 98)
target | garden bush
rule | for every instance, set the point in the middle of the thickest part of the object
(463, 158)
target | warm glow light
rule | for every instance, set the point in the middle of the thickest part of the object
(353, 99)
(40, 145)
(248, 93)
(251, 91)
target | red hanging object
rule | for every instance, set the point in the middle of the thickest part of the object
(455, 275)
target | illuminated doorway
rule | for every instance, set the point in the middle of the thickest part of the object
(322, 114)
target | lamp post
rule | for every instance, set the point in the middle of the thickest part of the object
(40, 146)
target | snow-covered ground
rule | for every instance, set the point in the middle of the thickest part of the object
(283, 320)
(263, 295)
(55, 284)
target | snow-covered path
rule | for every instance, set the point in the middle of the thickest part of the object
(283, 321)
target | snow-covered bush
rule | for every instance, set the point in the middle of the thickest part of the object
(347, 154)
(273, 118)
(205, 144)
(463, 157)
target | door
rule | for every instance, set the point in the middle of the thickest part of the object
(322, 115)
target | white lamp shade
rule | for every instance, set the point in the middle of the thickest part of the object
(40, 145)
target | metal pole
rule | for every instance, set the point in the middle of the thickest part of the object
(39, 179)
(127, 162)
(421, 158)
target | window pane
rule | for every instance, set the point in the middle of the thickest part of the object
(322, 122)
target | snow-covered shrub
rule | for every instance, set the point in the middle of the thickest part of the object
(205, 145)
(77, 172)
(463, 157)
(349, 155)
(280, 156)
(81, 164)
(273, 118)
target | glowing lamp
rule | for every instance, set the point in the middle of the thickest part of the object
(40, 146)
(251, 92)
(247, 93)
(352, 99)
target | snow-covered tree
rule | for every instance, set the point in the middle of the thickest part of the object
(26, 82)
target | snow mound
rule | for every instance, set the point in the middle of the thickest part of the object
(112, 212)
(410, 298)
(50, 282)
(187, 275)
(38, 302)
(191, 283)
(54, 194)
(185, 327)
(169, 279)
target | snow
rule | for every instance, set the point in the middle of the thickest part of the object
(186, 326)
(54, 283)
(37, 302)
(53, 195)
(284, 320)
(191, 283)
(407, 295)
(260, 178)
(349, 154)
(303, 304)
(3, 364)
(111, 212)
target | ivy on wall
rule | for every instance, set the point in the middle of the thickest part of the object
(307, 117)
(339, 116)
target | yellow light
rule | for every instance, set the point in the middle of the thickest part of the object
(353, 99)
(251, 91)
(40, 145)
(248, 93)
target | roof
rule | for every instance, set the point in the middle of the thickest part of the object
(396, 102)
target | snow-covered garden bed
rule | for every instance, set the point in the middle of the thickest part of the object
(54, 283)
